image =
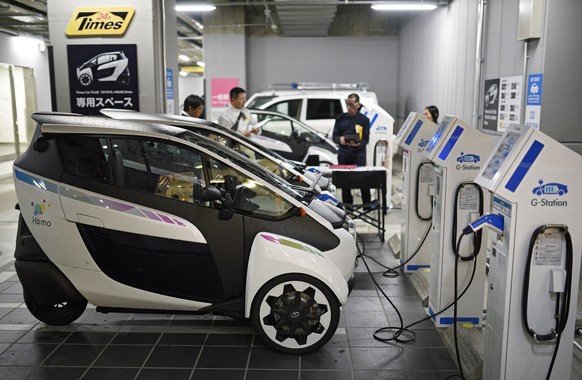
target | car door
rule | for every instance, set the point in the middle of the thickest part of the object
(321, 112)
(284, 130)
(137, 205)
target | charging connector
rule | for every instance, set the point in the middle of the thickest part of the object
(493, 221)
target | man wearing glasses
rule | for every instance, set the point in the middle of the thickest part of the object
(352, 132)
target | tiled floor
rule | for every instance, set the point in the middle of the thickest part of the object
(129, 346)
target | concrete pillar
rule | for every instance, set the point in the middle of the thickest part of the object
(224, 52)
(152, 30)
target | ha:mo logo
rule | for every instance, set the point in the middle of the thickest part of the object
(99, 21)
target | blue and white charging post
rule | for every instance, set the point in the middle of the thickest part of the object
(535, 260)
(417, 191)
(457, 151)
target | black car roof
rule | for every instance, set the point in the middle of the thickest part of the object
(191, 123)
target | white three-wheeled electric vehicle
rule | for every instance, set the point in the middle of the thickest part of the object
(136, 217)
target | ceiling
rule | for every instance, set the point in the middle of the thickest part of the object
(282, 18)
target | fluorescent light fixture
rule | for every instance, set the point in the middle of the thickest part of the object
(183, 58)
(201, 64)
(407, 6)
(183, 73)
(31, 41)
(195, 7)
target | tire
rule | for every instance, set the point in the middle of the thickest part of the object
(295, 313)
(538, 193)
(62, 313)
(85, 79)
(123, 80)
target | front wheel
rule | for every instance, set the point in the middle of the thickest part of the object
(295, 313)
(85, 79)
(57, 314)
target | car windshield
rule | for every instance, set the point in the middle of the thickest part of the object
(260, 100)
(249, 165)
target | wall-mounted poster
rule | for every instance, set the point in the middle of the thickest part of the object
(220, 94)
(502, 103)
(102, 76)
(510, 102)
(491, 104)
(533, 101)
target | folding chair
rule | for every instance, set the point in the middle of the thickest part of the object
(372, 212)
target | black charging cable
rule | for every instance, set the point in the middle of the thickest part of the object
(401, 333)
(391, 272)
(416, 209)
(562, 308)
(477, 237)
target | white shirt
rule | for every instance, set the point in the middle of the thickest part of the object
(230, 116)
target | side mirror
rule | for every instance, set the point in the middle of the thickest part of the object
(210, 193)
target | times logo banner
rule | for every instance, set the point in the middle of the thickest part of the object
(99, 21)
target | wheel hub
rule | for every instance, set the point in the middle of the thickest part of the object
(295, 314)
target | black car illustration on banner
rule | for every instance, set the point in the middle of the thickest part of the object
(106, 67)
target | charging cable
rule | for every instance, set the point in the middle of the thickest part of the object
(477, 238)
(562, 308)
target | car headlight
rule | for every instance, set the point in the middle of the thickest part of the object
(350, 226)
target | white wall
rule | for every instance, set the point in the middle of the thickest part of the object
(327, 59)
(437, 61)
(22, 53)
(189, 86)
(562, 54)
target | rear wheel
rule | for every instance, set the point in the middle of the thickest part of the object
(123, 80)
(295, 313)
(57, 314)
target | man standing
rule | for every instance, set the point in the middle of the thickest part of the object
(352, 132)
(236, 116)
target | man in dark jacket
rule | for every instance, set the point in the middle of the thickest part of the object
(352, 132)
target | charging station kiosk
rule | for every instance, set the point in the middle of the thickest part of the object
(535, 264)
(417, 190)
(457, 151)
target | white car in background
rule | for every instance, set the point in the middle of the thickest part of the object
(315, 104)
(318, 105)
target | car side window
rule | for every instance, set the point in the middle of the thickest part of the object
(215, 136)
(86, 157)
(247, 195)
(278, 125)
(103, 59)
(318, 109)
(160, 168)
(288, 107)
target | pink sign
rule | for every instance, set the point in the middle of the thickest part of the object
(220, 90)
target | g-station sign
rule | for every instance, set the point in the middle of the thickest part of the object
(99, 21)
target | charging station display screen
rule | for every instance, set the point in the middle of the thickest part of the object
(504, 149)
(404, 127)
(437, 135)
